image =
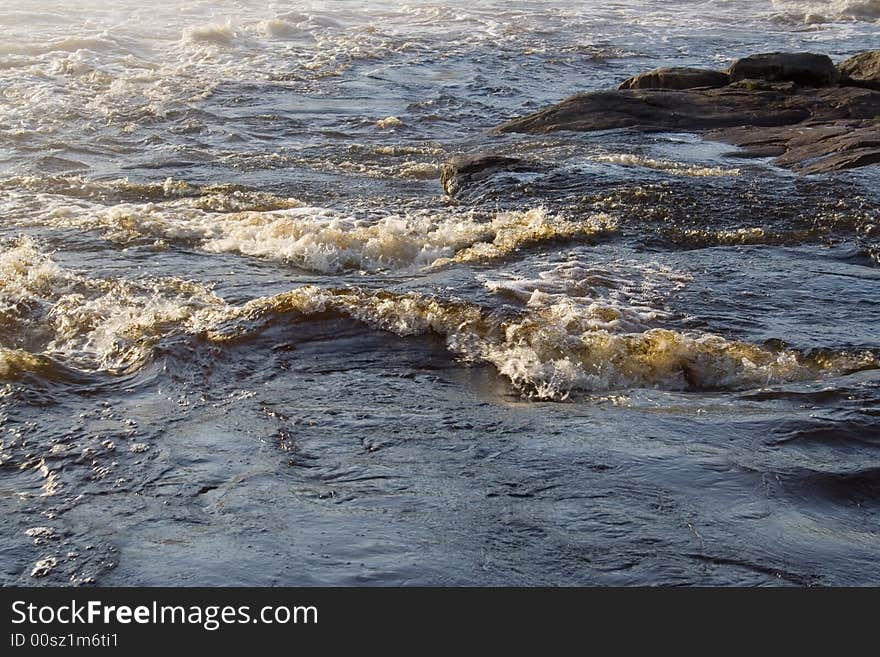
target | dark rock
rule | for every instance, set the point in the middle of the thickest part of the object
(810, 147)
(751, 84)
(809, 129)
(464, 170)
(699, 109)
(802, 68)
(676, 78)
(863, 70)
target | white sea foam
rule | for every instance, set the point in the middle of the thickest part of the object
(215, 34)
(812, 12)
(668, 166)
(389, 122)
(550, 350)
(325, 241)
(556, 344)
(226, 219)
(46, 310)
(617, 295)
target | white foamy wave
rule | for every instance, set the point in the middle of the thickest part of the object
(410, 169)
(280, 28)
(389, 122)
(616, 295)
(92, 323)
(554, 346)
(68, 45)
(550, 350)
(14, 362)
(812, 12)
(668, 166)
(320, 239)
(214, 34)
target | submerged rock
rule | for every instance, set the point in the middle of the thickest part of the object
(863, 70)
(676, 78)
(780, 105)
(464, 170)
(804, 68)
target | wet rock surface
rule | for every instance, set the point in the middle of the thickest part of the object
(791, 107)
(862, 70)
(676, 78)
(800, 67)
(466, 170)
(810, 147)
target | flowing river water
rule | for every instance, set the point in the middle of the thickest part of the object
(245, 338)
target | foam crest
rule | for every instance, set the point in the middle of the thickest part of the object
(550, 350)
(553, 346)
(667, 166)
(214, 34)
(812, 12)
(91, 323)
(219, 197)
(510, 231)
(14, 362)
(325, 241)
(618, 296)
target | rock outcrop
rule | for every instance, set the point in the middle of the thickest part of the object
(677, 78)
(809, 147)
(464, 170)
(803, 68)
(863, 70)
(700, 109)
(791, 107)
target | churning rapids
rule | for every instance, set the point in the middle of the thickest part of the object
(246, 339)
